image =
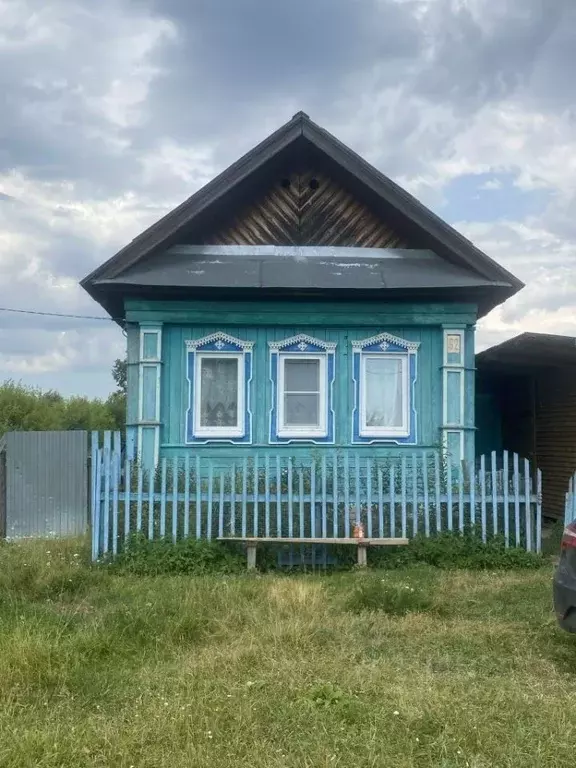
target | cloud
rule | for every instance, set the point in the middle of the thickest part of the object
(114, 112)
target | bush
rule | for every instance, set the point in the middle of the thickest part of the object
(376, 594)
(453, 549)
(190, 556)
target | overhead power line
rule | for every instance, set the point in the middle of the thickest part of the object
(58, 314)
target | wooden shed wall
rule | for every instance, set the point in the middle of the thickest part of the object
(556, 436)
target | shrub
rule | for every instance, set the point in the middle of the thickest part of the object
(376, 594)
(191, 556)
(453, 549)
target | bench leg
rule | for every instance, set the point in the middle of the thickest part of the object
(362, 558)
(251, 553)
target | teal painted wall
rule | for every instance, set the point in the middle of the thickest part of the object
(262, 322)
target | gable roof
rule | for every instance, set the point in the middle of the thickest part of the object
(301, 135)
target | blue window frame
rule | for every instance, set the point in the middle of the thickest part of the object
(302, 376)
(219, 369)
(384, 370)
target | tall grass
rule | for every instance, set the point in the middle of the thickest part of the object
(105, 668)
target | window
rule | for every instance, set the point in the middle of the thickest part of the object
(219, 372)
(384, 372)
(219, 395)
(384, 395)
(302, 377)
(302, 396)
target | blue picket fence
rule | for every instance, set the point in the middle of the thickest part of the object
(570, 506)
(273, 496)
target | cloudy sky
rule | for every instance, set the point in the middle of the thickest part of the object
(112, 112)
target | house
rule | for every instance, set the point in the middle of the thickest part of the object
(300, 302)
(526, 404)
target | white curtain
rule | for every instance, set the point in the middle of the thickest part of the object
(383, 392)
(219, 392)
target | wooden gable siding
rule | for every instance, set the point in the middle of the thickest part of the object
(307, 208)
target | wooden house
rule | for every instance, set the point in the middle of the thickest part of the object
(300, 302)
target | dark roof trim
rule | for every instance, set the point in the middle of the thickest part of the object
(302, 126)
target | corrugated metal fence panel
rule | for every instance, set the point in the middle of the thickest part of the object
(46, 483)
(556, 437)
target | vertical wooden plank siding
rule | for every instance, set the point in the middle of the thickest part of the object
(221, 507)
(107, 470)
(175, 484)
(244, 497)
(494, 493)
(437, 489)
(527, 504)
(483, 495)
(140, 492)
(538, 511)
(335, 494)
(505, 480)
(290, 500)
(426, 495)
(449, 500)
(414, 495)
(267, 496)
(198, 499)
(369, 498)
(127, 488)
(163, 500)
(516, 500)
(151, 478)
(187, 496)
(324, 489)
(403, 491)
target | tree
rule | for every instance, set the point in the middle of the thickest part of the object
(119, 374)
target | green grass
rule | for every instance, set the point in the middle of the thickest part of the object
(99, 668)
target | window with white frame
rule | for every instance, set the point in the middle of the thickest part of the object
(302, 396)
(384, 373)
(302, 376)
(384, 395)
(219, 395)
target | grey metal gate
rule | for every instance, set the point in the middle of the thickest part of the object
(46, 483)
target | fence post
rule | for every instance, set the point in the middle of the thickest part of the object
(506, 499)
(94, 495)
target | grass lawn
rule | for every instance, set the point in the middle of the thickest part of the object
(108, 670)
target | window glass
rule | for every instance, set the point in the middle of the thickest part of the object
(301, 393)
(384, 405)
(219, 392)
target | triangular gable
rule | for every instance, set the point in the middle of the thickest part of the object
(300, 138)
(307, 207)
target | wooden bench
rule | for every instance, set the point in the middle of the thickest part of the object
(252, 543)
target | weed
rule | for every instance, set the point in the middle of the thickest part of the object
(374, 593)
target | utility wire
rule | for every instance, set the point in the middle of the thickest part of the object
(58, 314)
